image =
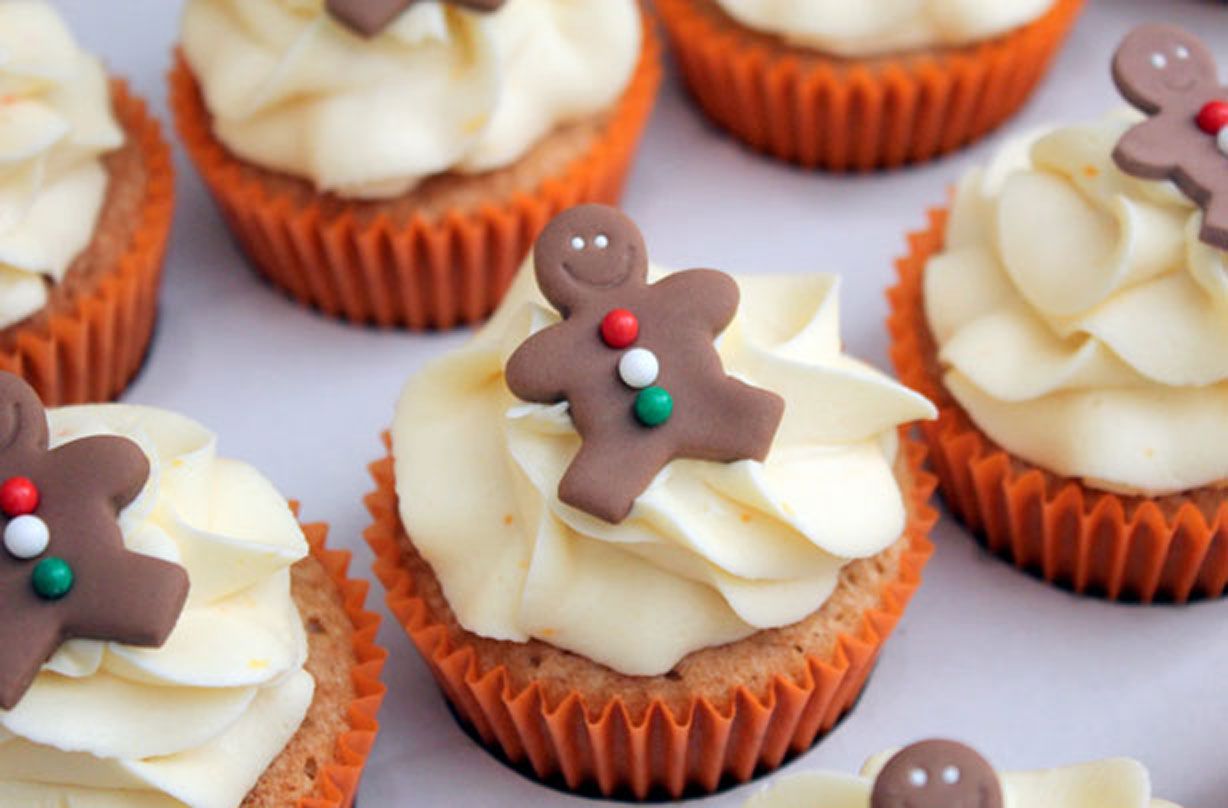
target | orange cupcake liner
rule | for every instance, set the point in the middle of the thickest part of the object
(850, 115)
(423, 273)
(91, 352)
(654, 750)
(1089, 541)
(337, 781)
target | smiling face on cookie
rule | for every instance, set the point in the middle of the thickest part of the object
(586, 249)
(1159, 65)
(937, 774)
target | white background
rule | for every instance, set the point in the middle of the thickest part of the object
(1031, 675)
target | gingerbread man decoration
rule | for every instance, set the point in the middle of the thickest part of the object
(937, 774)
(64, 571)
(369, 18)
(1171, 75)
(635, 362)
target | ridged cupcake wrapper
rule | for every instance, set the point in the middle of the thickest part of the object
(1093, 542)
(93, 351)
(606, 745)
(837, 114)
(337, 781)
(420, 274)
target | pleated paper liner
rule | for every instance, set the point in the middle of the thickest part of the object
(90, 350)
(840, 114)
(423, 272)
(654, 748)
(1172, 548)
(336, 778)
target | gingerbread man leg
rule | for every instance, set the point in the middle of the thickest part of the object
(38, 629)
(608, 473)
(1215, 220)
(746, 420)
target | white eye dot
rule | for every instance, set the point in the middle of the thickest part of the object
(918, 778)
(602, 241)
(577, 243)
(1182, 52)
(950, 775)
(1159, 61)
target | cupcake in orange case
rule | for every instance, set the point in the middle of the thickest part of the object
(86, 199)
(635, 573)
(172, 636)
(1069, 316)
(391, 163)
(857, 86)
(938, 774)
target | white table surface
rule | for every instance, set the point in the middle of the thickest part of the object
(1029, 674)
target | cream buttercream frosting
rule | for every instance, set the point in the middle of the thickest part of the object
(877, 27)
(710, 552)
(55, 125)
(1114, 783)
(1080, 321)
(442, 89)
(195, 723)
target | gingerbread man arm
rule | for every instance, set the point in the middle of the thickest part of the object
(710, 297)
(538, 371)
(1146, 151)
(127, 464)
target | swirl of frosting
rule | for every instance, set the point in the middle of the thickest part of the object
(1113, 783)
(711, 552)
(196, 722)
(1080, 320)
(55, 125)
(878, 27)
(441, 89)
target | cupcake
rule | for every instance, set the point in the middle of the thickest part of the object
(649, 538)
(172, 635)
(941, 774)
(860, 86)
(391, 163)
(86, 198)
(1068, 315)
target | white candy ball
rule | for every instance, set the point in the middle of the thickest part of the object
(639, 368)
(26, 537)
(1222, 140)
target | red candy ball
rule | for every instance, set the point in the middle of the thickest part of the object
(1213, 117)
(620, 328)
(18, 496)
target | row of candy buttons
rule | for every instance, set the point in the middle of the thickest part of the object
(26, 537)
(638, 368)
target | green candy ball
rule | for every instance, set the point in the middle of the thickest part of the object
(654, 406)
(52, 578)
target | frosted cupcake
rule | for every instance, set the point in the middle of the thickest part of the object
(627, 569)
(865, 85)
(941, 774)
(392, 162)
(172, 638)
(1068, 315)
(86, 197)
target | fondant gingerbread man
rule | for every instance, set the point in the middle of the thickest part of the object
(64, 571)
(635, 362)
(369, 18)
(937, 774)
(1171, 75)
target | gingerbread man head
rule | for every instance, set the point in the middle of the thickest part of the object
(369, 18)
(937, 774)
(64, 570)
(1159, 66)
(586, 253)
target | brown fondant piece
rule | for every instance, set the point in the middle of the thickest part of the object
(369, 18)
(937, 774)
(117, 595)
(715, 417)
(1170, 75)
